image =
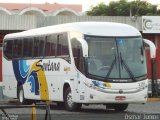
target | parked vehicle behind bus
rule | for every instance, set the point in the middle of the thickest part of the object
(76, 63)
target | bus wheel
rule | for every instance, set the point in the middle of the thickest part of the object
(69, 104)
(120, 107)
(21, 98)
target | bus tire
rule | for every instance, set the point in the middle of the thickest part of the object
(120, 107)
(69, 104)
(21, 98)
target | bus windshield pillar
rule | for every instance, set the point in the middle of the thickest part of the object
(84, 47)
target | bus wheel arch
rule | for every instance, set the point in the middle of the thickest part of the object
(65, 87)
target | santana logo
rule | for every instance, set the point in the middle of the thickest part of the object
(34, 75)
(49, 66)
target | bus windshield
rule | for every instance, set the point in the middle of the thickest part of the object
(116, 59)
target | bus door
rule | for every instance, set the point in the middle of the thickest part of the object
(80, 51)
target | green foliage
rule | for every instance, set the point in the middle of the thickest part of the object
(98, 10)
(124, 8)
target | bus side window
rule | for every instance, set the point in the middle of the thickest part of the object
(8, 49)
(62, 45)
(17, 48)
(27, 47)
(77, 54)
(38, 47)
(41, 47)
(50, 46)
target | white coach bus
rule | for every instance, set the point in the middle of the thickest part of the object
(76, 63)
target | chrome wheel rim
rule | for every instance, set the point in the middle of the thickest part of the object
(69, 99)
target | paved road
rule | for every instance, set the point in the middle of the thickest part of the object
(93, 112)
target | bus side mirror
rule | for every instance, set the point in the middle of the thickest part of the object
(152, 48)
(84, 47)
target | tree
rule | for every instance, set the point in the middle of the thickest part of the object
(139, 8)
(124, 8)
(99, 10)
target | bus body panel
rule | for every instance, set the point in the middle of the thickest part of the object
(9, 81)
(132, 93)
(51, 74)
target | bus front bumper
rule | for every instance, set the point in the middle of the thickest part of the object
(95, 96)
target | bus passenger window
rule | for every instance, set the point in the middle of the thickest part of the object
(41, 47)
(17, 49)
(27, 47)
(35, 48)
(8, 49)
(62, 46)
(50, 46)
(38, 47)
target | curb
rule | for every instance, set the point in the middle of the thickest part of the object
(8, 101)
(153, 99)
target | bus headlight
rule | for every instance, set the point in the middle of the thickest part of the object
(95, 85)
(90, 85)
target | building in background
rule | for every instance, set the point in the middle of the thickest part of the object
(46, 9)
(7, 10)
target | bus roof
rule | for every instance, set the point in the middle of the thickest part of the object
(89, 28)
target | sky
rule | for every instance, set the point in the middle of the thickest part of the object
(86, 4)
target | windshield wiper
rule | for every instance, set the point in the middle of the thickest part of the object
(127, 68)
(111, 68)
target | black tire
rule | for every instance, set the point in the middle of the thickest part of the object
(120, 107)
(21, 98)
(69, 104)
